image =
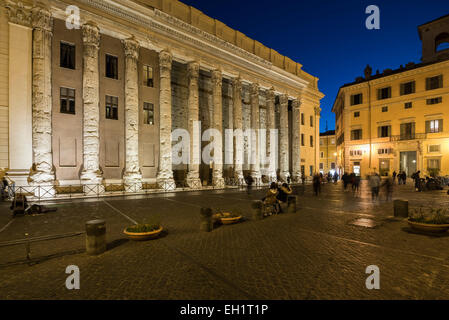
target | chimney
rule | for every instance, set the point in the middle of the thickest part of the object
(368, 72)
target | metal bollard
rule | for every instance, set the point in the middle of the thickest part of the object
(257, 210)
(95, 237)
(207, 223)
(291, 204)
(400, 208)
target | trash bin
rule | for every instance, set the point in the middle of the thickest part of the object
(95, 237)
(400, 208)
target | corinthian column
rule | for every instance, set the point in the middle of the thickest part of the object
(255, 125)
(91, 173)
(193, 176)
(238, 127)
(296, 145)
(317, 138)
(217, 176)
(42, 172)
(271, 126)
(165, 173)
(132, 177)
(283, 137)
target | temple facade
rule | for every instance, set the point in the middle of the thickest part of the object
(92, 91)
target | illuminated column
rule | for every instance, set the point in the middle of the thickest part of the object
(217, 177)
(271, 125)
(238, 127)
(42, 172)
(91, 173)
(317, 138)
(193, 176)
(132, 176)
(165, 173)
(255, 125)
(296, 145)
(283, 137)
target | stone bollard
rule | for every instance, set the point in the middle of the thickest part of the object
(207, 223)
(95, 237)
(400, 208)
(257, 210)
(291, 204)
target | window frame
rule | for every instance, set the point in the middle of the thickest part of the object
(112, 115)
(71, 46)
(67, 98)
(106, 71)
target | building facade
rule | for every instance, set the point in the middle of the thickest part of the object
(328, 152)
(95, 100)
(398, 120)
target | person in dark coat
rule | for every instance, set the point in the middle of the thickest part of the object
(249, 183)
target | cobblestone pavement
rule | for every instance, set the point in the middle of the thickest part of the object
(315, 253)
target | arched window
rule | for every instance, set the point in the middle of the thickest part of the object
(442, 42)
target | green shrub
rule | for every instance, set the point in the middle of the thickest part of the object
(429, 215)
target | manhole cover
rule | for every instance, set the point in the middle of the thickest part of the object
(364, 222)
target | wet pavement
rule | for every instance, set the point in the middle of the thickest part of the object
(319, 252)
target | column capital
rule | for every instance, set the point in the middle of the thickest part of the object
(296, 104)
(131, 46)
(237, 83)
(18, 13)
(283, 99)
(193, 70)
(42, 19)
(216, 77)
(254, 89)
(270, 95)
(165, 60)
(91, 34)
(317, 111)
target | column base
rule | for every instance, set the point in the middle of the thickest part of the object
(92, 182)
(218, 182)
(132, 181)
(284, 176)
(166, 183)
(238, 175)
(194, 183)
(296, 177)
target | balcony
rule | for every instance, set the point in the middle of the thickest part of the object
(402, 137)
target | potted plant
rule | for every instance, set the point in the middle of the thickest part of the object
(227, 217)
(429, 220)
(144, 231)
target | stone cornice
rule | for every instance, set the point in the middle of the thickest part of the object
(168, 30)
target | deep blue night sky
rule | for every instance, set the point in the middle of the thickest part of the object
(329, 37)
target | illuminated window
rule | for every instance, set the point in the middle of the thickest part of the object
(111, 107)
(148, 113)
(147, 76)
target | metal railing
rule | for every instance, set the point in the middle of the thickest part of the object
(51, 192)
(414, 136)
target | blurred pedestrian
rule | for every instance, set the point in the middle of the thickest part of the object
(249, 183)
(374, 183)
(388, 187)
(316, 184)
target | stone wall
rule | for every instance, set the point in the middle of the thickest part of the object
(246, 124)
(4, 47)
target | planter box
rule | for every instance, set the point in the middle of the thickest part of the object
(141, 236)
(434, 228)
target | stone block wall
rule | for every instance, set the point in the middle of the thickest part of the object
(4, 82)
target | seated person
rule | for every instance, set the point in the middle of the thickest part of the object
(283, 192)
(271, 196)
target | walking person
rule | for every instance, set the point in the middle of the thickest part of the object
(394, 176)
(417, 180)
(388, 185)
(356, 186)
(345, 179)
(249, 184)
(316, 184)
(374, 182)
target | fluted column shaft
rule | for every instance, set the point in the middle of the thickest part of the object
(296, 144)
(165, 173)
(132, 176)
(238, 127)
(255, 125)
(42, 172)
(193, 175)
(283, 137)
(91, 173)
(217, 176)
(271, 126)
